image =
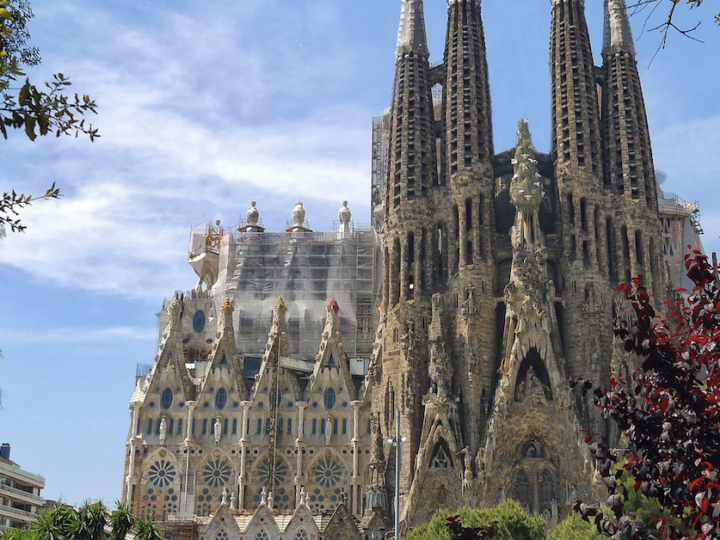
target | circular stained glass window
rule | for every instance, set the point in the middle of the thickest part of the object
(162, 473)
(221, 398)
(217, 473)
(330, 398)
(167, 398)
(282, 473)
(328, 473)
(199, 321)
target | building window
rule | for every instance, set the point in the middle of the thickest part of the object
(267, 425)
(199, 321)
(335, 425)
(171, 426)
(259, 430)
(234, 426)
(149, 429)
(167, 399)
(280, 425)
(289, 426)
(180, 423)
(314, 429)
(204, 426)
(193, 427)
(330, 398)
(344, 426)
(225, 426)
(221, 399)
(322, 427)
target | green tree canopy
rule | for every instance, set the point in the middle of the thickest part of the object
(509, 519)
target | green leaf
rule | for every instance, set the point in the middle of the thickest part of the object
(30, 128)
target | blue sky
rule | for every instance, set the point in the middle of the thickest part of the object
(206, 106)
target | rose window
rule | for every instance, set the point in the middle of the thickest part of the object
(216, 473)
(162, 473)
(282, 475)
(328, 473)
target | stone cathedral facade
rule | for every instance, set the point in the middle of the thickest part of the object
(484, 285)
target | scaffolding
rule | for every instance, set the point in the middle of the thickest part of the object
(306, 269)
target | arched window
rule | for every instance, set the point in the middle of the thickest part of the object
(199, 321)
(221, 398)
(262, 535)
(329, 398)
(301, 535)
(167, 398)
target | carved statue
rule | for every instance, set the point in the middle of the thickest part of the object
(440, 369)
(328, 430)
(163, 431)
(218, 431)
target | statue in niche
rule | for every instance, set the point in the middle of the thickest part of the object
(163, 431)
(551, 292)
(218, 431)
(328, 430)
(440, 461)
(440, 370)
(533, 386)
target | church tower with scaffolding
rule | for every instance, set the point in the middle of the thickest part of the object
(484, 284)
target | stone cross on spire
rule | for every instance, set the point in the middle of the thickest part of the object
(617, 35)
(412, 35)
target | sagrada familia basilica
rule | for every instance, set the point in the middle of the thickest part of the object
(484, 285)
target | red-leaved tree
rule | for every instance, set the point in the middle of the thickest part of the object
(669, 411)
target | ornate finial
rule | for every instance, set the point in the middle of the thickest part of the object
(263, 497)
(227, 307)
(224, 496)
(617, 36)
(253, 215)
(232, 501)
(298, 215)
(526, 189)
(280, 306)
(344, 214)
(333, 305)
(411, 34)
(270, 500)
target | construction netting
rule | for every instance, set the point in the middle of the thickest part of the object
(306, 269)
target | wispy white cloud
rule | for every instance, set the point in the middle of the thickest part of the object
(76, 335)
(178, 148)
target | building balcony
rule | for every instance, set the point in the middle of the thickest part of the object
(19, 494)
(17, 514)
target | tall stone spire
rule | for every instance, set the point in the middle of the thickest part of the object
(576, 130)
(411, 34)
(466, 211)
(468, 143)
(627, 155)
(617, 36)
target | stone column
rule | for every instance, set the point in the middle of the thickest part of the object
(356, 445)
(129, 481)
(244, 447)
(299, 446)
(191, 408)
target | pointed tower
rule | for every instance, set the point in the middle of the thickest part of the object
(576, 148)
(411, 171)
(466, 213)
(629, 169)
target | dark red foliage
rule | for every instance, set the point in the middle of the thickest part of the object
(669, 412)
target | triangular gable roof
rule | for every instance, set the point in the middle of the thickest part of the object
(332, 352)
(342, 519)
(223, 517)
(170, 356)
(262, 518)
(224, 351)
(302, 517)
(278, 345)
